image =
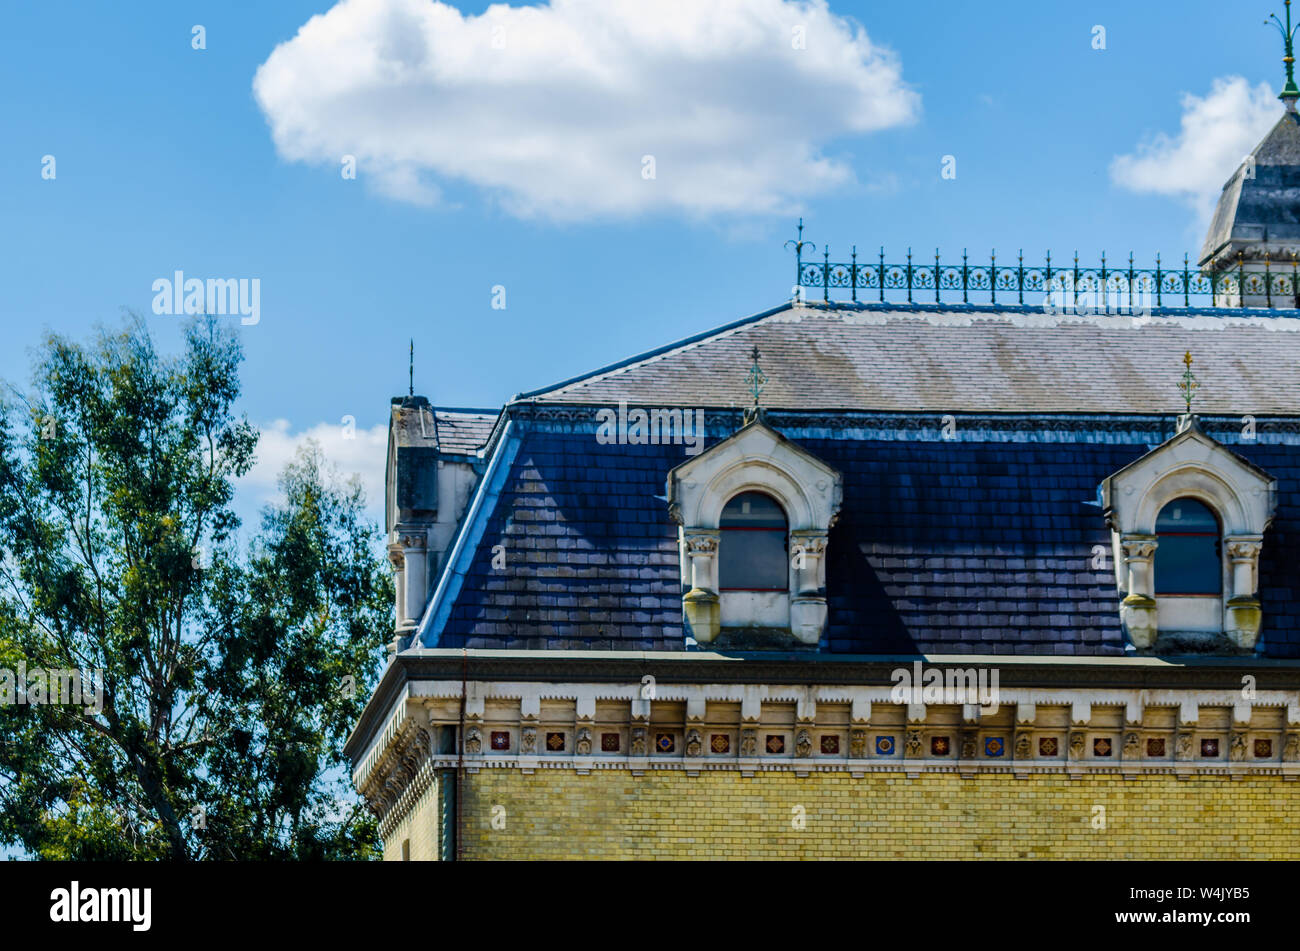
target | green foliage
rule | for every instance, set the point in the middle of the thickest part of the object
(229, 678)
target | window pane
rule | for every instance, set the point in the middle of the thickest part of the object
(1187, 559)
(753, 510)
(1188, 565)
(1186, 515)
(752, 559)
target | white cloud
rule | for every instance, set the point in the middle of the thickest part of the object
(363, 455)
(551, 109)
(1217, 132)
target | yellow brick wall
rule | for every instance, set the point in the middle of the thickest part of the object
(558, 814)
(420, 827)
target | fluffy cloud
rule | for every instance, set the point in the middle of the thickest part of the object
(362, 455)
(1218, 131)
(553, 109)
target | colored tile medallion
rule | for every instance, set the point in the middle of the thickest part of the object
(555, 742)
(665, 742)
(830, 744)
(1048, 746)
(884, 746)
(940, 746)
(1156, 746)
(994, 746)
(1101, 746)
(609, 742)
(1210, 747)
(500, 740)
(775, 743)
(720, 743)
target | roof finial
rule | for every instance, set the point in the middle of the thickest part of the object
(1290, 92)
(411, 391)
(1189, 384)
(799, 244)
(755, 378)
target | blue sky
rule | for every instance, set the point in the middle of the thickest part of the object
(166, 160)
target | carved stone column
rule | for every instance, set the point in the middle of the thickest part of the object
(413, 545)
(398, 561)
(808, 606)
(1244, 614)
(700, 604)
(1138, 610)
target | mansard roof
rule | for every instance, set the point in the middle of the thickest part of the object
(985, 543)
(970, 441)
(887, 357)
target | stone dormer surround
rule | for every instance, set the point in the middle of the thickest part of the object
(1189, 465)
(756, 458)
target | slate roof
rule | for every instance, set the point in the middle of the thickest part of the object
(984, 544)
(1262, 208)
(1011, 360)
(979, 546)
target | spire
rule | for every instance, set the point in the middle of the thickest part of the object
(755, 378)
(1290, 92)
(411, 390)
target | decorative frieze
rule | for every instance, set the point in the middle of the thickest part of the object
(1132, 747)
(1024, 746)
(758, 728)
(694, 743)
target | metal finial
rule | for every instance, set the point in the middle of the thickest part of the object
(799, 243)
(411, 390)
(1290, 92)
(1189, 384)
(755, 378)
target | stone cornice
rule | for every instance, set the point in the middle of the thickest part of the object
(386, 729)
(1226, 732)
(400, 772)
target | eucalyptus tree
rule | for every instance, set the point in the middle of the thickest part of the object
(217, 678)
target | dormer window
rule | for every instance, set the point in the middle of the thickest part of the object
(1187, 523)
(755, 511)
(754, 544)
(1188, 558)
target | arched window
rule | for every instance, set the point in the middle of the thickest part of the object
(1188, 560)
(752, 550)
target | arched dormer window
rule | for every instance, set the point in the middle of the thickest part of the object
(1188, 557)
(1187, 524)
(755, 511)
(754, 544)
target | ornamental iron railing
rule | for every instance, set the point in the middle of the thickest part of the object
(1272, 284)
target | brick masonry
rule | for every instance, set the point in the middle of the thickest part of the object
(560, 814)
(417, 831)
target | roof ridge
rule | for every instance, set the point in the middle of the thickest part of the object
(468, 410)
(651, 354)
